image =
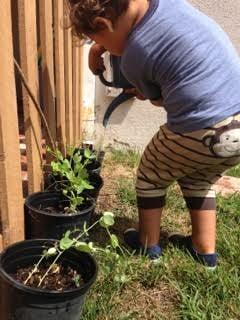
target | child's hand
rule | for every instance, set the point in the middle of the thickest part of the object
(95, 60)
(137, 94)
(157, 103)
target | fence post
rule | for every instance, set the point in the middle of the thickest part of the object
(76, 90)
(47, 63)
(59, 69)
(81, 106)
(11, 198)
(68, 85)
(29, 64)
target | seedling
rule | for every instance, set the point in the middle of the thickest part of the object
(71, 175)
(69, 241)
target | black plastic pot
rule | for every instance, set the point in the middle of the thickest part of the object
(42, 224)
(97, 182)
(19, 302)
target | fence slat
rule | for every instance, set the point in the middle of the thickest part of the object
(1, 243)
(47, 63)
(81, 79)
(59, 69)
(11, 203)
(76, 90)
(29, 60)
(68, 85)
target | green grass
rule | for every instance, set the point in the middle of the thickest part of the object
(176, 287)
(234, 172)
(128, 158)
(126, 191)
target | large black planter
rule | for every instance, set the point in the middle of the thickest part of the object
(42, 224)
(97, 182)
(19, 302)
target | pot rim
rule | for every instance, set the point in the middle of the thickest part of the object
(79, 213)
(43, 292)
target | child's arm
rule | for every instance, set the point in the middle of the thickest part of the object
(95, 60)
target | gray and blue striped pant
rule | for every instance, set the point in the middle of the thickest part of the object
(195, 160)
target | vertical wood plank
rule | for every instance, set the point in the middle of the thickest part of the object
(68, 85)
(59, 69)
(81, 79)
(29, 64)
(47, 63)
(76, 71)
(1, 243)
(11, 202)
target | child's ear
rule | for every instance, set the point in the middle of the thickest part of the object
(103, 23)
(207, 140)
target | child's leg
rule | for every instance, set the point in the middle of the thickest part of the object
(149, 226)
(204, 230)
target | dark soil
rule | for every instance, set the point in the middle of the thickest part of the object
(62, 208)
(60, 278)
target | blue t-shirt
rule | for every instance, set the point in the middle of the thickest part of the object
(178, 52)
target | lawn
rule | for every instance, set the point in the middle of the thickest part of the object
(176, 287)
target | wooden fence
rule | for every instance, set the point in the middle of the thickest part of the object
(32, 31)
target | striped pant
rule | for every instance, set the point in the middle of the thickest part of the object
(195, 160)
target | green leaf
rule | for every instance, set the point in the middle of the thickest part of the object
(87, 153)
(51, 251)
(77, 280)
(59, 155)
(86, 185)
(65, 192)
(114, 241)
(107, 220)
(66, 164)
(56, 166)
(66, 243)
(84, 247)
(76, 158)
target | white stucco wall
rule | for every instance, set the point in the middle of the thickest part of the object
(134, 123)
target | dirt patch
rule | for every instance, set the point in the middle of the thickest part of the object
(148, 303)
(227, 185)
(111, 173)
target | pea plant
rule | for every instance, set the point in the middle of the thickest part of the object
(71, 175)
(69, 241)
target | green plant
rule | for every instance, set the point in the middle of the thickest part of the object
(71, 175)
(69, 241)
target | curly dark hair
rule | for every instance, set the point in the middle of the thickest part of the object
(83, 12)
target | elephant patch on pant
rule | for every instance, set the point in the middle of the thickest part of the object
(225, 142)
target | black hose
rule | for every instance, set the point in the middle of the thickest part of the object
(123, 97)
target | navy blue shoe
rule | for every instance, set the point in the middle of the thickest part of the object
(185, 243)
(131, 238)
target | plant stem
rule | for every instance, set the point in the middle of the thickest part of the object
(86, 231)
(36, 104)
(46, 273)
(34, 270)
(61, 252)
